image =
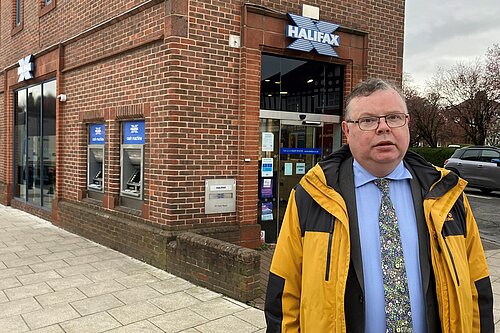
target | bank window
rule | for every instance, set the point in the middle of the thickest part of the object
(46, 6)
(35, 144)
(301, 85)
(18, 12)
(17, 15)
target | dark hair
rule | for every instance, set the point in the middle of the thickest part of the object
(368, 87)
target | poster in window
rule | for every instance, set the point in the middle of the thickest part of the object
(267, 141)
(267, 211)
(300, 168)
(266, 188)
(267, 167)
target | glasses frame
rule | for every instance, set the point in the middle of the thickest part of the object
(378, 121)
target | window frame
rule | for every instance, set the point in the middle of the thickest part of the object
(17, 16)
(46, 6)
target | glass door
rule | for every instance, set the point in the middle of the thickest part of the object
(35, 144)
(289, 148)
(300, 149)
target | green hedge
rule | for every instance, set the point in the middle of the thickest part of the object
(436, 156)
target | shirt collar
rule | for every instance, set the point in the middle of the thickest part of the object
(362, 176)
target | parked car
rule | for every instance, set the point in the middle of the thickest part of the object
(479, 165)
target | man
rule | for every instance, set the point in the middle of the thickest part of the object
(376, 239)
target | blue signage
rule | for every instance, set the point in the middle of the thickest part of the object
(133, 132)
(311, 34)
(300, 151)
(97, 134)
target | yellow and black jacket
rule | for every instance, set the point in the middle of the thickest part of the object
(316, 278)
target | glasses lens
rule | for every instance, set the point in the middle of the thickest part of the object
(392, 120)
(368, 123)
(395, 120)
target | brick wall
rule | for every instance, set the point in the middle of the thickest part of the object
(169, 63)
(226, 268)
(3, 146)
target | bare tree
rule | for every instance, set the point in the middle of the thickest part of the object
(426, 117)
(470, 93)
(493, 81)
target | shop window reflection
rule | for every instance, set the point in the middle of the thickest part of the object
(34, 144)
(304, 86)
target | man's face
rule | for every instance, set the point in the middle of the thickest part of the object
(380, 150)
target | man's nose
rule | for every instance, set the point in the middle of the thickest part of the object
(382, 125)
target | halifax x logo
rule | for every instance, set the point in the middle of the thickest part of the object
(311, 34)
(26, 68)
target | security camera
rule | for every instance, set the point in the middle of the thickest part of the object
(61, 97)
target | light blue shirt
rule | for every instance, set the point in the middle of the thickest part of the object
(368, 198)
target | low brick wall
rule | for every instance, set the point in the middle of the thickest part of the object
(202, 259)
(220, 266)
(119, 231)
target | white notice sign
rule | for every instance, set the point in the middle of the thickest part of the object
(300, 168)
(267, 141)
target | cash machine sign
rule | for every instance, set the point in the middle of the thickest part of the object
(97, 134)
(133, 132)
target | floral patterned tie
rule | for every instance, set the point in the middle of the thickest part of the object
(396, 292)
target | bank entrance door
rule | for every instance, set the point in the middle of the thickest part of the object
(289, 148)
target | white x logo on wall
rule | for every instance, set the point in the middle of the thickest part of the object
(26, 68)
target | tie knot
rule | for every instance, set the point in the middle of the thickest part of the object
(383, 185)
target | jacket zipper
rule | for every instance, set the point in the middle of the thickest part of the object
(452, 260)
(440, 281)
(329, 251)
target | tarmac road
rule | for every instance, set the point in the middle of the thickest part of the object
(486, 209)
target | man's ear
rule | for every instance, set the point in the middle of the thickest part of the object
(345, 128)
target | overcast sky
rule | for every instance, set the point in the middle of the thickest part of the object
(440, 33)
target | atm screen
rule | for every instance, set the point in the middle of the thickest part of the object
(136, 177)
(98, 176)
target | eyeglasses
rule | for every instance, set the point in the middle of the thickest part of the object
(392, 120)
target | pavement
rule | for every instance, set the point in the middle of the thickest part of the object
(52, 281)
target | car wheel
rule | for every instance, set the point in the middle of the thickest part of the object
(454, 171)
(485, 190)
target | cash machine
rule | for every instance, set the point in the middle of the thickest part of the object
(132, 163)
(95, 160)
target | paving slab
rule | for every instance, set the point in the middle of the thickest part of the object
(135, 312)
(50, 316)
(96, 323)
(178, 320)
(38, 277)
(18, 307)
(28, 291)
(96, 304)
(13, 324)
(139, 327)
